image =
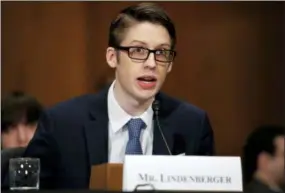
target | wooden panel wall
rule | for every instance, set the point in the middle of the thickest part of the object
(44, 49)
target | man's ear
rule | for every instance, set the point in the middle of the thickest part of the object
(111, 57)
(263, 159)
(169, 68)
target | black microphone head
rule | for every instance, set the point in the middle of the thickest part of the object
(155, 106)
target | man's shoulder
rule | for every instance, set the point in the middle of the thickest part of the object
(179, 106)
(257, 186)
(191, 108)
(76, 107)
(73, 103)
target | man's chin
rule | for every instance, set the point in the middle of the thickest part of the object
(145, 95)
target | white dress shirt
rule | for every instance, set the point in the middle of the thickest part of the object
(118, 133)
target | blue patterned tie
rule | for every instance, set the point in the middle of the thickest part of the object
(134, 145)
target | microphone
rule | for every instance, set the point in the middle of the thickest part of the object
(155, 108)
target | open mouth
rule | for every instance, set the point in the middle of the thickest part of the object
(147, 82)
(147, 79)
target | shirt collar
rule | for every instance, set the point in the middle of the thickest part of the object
(118, 117)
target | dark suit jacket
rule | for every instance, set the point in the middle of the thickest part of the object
(256, 186)
(73, 136)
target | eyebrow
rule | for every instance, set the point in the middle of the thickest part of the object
(167, 45)
(137, 41)
(141, 42)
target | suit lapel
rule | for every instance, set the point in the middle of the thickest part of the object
(159, 146)
(166, 124)
(96, 130)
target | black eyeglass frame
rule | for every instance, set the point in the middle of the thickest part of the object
(149, 51)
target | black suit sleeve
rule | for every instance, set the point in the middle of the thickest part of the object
(207, 143)
(44, 146)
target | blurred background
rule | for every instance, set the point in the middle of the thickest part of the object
(230, 58)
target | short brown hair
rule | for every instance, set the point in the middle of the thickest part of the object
(143, 12)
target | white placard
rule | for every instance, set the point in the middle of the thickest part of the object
(198, 173)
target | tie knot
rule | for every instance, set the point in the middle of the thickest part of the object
(134, 127)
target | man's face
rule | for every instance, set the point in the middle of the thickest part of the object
(141, 79)
(18, 135)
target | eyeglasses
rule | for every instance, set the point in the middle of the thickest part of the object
(142, 54)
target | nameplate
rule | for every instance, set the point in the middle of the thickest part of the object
(182, 173)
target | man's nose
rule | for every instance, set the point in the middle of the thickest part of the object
(150, 62)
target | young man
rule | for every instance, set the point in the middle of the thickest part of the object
(96, 129)
(263, 160)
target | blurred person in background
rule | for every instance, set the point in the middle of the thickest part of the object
(19, 116)
(263, 160)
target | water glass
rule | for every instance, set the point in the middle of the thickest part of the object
(24, 173)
